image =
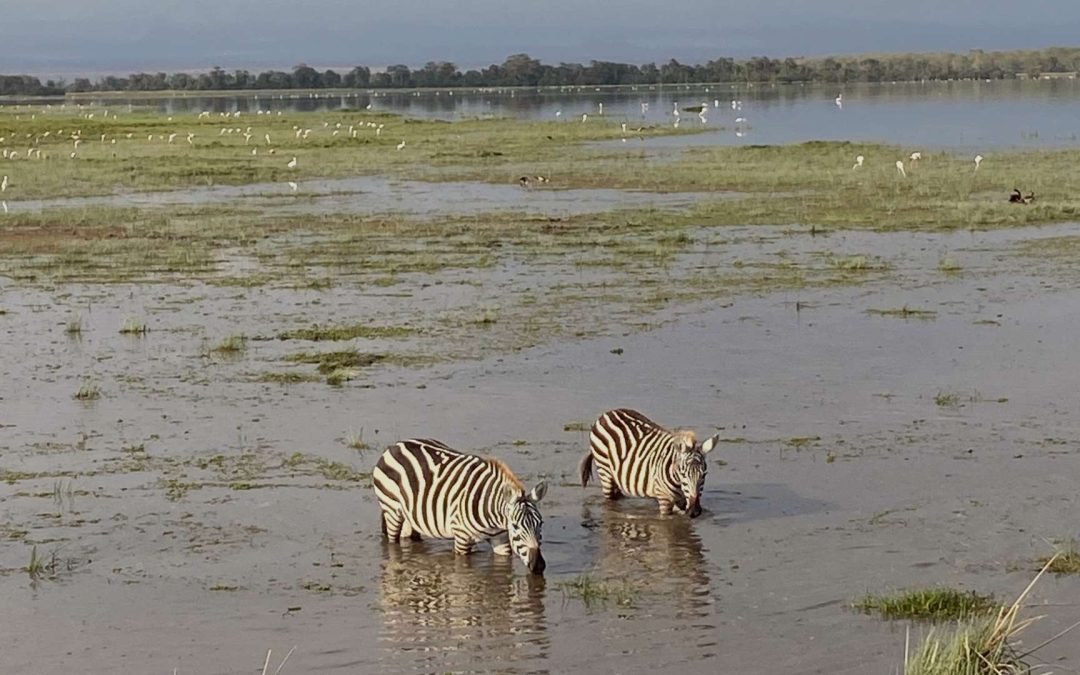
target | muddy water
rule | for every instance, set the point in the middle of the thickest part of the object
(839, 474)
(377, 195)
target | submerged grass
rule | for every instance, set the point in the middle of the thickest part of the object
(345, 332)
(928, 604)
(1065, 560)
(593, 592)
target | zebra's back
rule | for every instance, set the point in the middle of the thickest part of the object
(626, 446)
(425, 481)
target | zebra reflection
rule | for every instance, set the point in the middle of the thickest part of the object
(663, 556)
(443, 612)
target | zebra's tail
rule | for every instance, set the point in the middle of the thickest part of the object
(585, 468)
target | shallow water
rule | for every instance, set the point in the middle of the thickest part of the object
(376, 195)
(971, 115)
(839, 473)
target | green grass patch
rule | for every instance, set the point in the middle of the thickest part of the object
(929, 604)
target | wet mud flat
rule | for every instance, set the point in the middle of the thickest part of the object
(915, 429)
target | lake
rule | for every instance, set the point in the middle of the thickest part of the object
(962, 115)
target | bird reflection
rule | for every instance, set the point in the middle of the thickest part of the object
(445, 612)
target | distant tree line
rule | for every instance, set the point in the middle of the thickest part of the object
(523, 70)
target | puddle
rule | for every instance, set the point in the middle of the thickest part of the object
(176, 503)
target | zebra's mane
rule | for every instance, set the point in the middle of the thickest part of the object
(507, 474)
(685, 436)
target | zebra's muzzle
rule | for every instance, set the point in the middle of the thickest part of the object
(694, 509)
(536, 561)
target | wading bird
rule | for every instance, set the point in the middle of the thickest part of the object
(401, 145)
(915, 156)
(839, 100)
(293, 185)
(292, 163)
(4, 184)
(978, 161)
(900, 167)
(859, 159)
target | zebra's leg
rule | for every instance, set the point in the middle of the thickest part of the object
(503, 547)
(666, 505)
(608, 487)
(392, 524)
(463, 543)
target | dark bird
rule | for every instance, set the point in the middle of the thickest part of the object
(524, 181)
(1019, 198)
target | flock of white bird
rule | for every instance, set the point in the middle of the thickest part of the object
(76, 138)
(353, 131)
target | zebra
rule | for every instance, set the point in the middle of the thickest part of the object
(639, 458)
(426, 488)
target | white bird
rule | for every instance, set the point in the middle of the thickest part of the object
(3, 184)
(900, 167)
(401, 145)
(4, 204)
(293, 185)
(584, 117)
(292, 163)
(839, 100)
(558, 113)
(859, 159)
(915, 156)
(978, 161)
(624, 127)
(601, 105)
(172, 137)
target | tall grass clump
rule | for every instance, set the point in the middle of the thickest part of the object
(983, 646)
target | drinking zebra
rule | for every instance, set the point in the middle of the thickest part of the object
(426, 488)
(639, 458)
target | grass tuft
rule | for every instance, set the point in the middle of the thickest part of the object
(133, 327)
(986, 645)
(1066, 560)
(928, 604)
(234, 344)
(904, 312)
(595, 592)
(88, 392)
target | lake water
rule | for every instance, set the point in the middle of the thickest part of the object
(971, 115)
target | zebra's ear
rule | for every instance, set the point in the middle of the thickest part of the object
(538, 492)
(709, 444)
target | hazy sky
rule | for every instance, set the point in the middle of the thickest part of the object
(61, 37)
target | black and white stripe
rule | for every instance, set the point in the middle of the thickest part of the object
(636, 457)
(426, 488)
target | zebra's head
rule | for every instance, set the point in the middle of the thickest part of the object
(523, 525)
(691, 468)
